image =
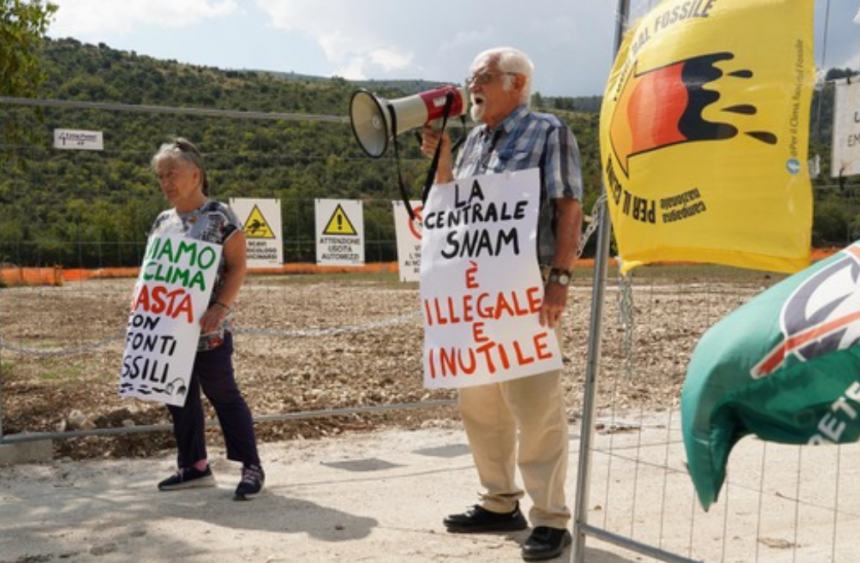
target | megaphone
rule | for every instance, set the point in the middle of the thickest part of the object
(374, 119)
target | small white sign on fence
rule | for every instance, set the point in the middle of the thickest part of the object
(76, 139)
(846, 130)
(261, 223)
(408, 234)
(339, 232)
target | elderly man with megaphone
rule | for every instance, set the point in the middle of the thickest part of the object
(511, 137)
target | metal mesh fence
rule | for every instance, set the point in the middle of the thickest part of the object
(298, 236)
(779, 503)
(306, 346)
(93, 208)
(349, 345)
(338, 346)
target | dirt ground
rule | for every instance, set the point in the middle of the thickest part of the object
(286, 362)
(381, 496)
(373, 487)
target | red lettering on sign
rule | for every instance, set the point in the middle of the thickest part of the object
(478, 332)
(158, 300)
(470, 275)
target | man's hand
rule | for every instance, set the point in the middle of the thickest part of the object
(567, 228)
(554, 301)
(430, 139)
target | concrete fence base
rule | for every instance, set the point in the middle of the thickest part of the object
(27, 452)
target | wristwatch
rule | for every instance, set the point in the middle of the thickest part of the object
(559, 276)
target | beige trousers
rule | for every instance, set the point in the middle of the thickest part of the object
(492, 415)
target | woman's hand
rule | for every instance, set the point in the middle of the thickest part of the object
(213, 317)
(235, 266)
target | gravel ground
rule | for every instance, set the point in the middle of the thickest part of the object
(337, 491)
(286, 362)
(381, 496)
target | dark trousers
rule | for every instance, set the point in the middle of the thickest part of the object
(213, 371)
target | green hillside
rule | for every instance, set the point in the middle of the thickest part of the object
(94, 208)
(87, 208)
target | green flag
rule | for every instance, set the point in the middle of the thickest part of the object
(785, 366)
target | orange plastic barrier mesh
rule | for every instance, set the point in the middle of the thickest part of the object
(81, 274)
(822, 253)
(311, 268)
(11, 277)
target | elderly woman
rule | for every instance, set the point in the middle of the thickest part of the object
(180, 171)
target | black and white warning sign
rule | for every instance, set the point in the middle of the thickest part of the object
(339, 232)
(261, 223)
(408, 232)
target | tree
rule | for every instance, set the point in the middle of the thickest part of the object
(837, 73)
(22, 27)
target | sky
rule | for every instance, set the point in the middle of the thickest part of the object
(570, 41)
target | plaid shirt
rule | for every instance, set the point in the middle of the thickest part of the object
(527, 140)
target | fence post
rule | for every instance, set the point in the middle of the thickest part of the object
(583, 477)
(604, 231)
(1, 394)
(80, 245)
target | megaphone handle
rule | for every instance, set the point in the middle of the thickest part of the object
(431, 173)
(462, 138)
(393, 115)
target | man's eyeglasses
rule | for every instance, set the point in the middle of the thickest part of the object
(483, 78)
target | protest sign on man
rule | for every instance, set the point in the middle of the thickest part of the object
(481, 288)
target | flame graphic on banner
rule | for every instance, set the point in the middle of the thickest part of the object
(661, 107)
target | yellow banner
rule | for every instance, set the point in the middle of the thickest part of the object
(704, 131)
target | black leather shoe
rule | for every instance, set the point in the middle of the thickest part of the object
(545, 543)
(478, 519)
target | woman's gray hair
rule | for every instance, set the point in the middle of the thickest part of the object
(509, 59)
(182, 149)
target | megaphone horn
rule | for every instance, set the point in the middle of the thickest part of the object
(372, 124)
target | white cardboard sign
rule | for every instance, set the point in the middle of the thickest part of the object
(171, 294)
(481, 289)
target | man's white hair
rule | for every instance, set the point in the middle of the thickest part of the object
(508, 59)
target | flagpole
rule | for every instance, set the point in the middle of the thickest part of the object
(583, 477)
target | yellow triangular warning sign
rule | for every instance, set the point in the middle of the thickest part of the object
(339, 224)
(256, 225)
